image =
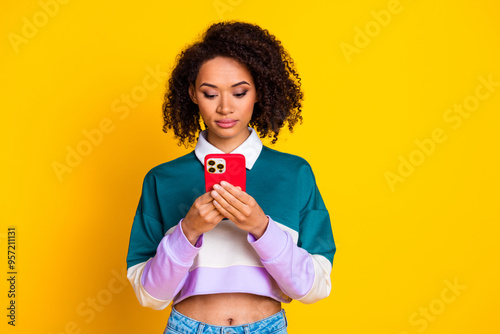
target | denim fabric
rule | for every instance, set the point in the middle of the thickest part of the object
(180, 324)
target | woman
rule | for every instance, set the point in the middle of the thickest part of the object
(228, 258)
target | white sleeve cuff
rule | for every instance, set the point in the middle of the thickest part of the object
(134, 274)
(322, 283)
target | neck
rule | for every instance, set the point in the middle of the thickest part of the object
(227, 145)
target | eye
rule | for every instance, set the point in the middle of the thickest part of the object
(209, 96)
(241, 94)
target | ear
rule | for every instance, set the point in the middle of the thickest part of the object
(192, 94)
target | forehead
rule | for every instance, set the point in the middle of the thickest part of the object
(223, 71)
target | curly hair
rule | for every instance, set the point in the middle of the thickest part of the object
(272, 69)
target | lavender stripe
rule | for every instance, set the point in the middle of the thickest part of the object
(291, 266)
(254, 280)
(164, 274)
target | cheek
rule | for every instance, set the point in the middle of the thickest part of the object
(247, 104)
(248, 110)
(203, 112)
(205, 106)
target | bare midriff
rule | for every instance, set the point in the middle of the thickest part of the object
(228, 309)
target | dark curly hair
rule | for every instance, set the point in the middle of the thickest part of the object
(272, 69)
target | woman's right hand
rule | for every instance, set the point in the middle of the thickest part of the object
(201, 218)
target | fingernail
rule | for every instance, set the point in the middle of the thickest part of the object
(223, 183)
(214, 193)
(216, 186)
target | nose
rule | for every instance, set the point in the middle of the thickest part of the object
(225, 106)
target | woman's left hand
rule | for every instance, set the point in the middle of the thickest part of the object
(239, 207)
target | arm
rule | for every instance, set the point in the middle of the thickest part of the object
(301, 270)
(158, 280)
(300, 275)
(158, 265)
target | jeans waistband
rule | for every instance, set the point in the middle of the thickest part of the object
(182, 324)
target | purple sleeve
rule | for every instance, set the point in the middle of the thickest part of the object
(291, 266)
(165, 273)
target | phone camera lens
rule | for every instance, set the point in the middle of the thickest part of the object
(220, 166)
(211, 170)
(211, 162)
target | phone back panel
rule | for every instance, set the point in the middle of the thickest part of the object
(225, 167)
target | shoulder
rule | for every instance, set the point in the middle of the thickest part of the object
(277, 156)
(174, 168)
(287, 162)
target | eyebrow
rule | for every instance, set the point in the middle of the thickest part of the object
(214, 86)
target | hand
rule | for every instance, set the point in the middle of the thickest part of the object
(201, 217)
(239, 207)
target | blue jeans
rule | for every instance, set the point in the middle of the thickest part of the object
(180, 324)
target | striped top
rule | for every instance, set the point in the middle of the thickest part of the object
(291, 260)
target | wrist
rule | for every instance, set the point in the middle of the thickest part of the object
(259, 232)
(189, 233)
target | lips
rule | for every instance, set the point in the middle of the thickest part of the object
(226, 123)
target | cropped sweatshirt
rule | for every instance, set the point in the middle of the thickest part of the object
(291, 260)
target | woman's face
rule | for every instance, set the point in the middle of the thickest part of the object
(225, 94)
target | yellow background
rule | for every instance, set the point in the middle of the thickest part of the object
(399, 246)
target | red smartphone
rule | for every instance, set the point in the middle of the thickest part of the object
(225, 167)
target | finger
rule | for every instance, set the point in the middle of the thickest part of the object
(223, 211)
(205, 198)
(214, 216)
(235, 191)
(208, 212)
(228, 209)
(207, 208)
(229, 199)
